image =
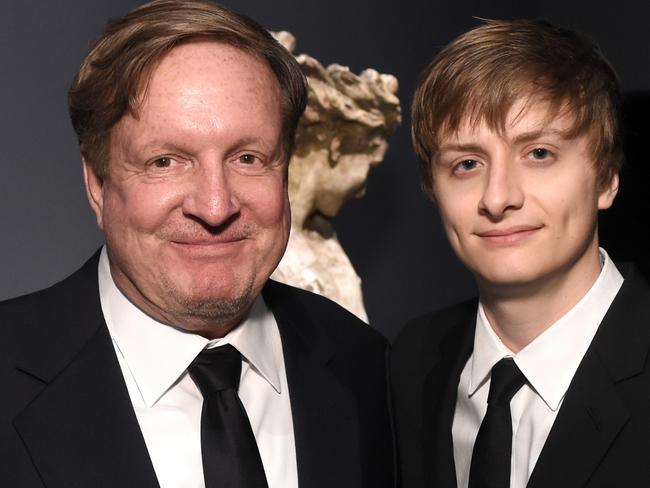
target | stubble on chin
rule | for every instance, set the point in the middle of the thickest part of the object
(197, 312)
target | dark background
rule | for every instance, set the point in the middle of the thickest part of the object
(392, 235)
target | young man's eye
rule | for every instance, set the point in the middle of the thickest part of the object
(466, 165)
(540, 153)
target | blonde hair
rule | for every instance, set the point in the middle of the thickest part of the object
(481, 74)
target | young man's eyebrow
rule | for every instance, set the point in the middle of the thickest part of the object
(532, 135)
(471, 147)
(519, 138)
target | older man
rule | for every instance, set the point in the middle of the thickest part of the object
(169, 359)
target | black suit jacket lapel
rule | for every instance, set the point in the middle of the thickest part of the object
(80, 429)
(447, 360)
(592, 413)
(327, 446)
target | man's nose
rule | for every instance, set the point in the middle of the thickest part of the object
(211, 196)
(502, 191)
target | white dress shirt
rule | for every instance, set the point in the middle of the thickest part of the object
(154, 358)
(548, 363)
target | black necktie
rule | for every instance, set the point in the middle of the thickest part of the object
(230, 455)
(490, 467)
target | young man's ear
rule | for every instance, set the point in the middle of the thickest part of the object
(608, 193)
(94, 190)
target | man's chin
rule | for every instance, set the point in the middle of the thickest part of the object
(212, 306)
(215, 309)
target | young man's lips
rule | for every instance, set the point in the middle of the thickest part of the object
(508, 235)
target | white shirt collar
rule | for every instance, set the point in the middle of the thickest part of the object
(550, 361)
(158, 354)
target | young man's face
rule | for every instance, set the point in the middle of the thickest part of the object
(520, 208)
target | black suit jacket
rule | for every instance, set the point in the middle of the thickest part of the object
(66, 419)
(601, 436)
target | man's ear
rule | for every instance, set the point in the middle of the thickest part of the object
(608, 193)
(94, 190)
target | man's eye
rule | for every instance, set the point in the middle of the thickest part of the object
(162, 162)
(540, 153)
(248, 159)
(466, 165)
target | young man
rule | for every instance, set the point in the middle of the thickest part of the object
(542, 381)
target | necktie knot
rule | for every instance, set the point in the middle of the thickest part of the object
(216, 369)
(490, 466)
(506, 380)
(228, 446)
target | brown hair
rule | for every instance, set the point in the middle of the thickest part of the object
(114, 74)
(482, 73)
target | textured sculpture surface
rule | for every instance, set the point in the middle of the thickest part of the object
(341, 136)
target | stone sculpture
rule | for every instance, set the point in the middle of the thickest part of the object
(341, 136)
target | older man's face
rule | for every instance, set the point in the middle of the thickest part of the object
(195, 208)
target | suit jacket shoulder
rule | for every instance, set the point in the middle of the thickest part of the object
(420, 338)
(336, 368)
(69, 420)
(601, 435)
(426, 360)
(335, 320)
(50, 323)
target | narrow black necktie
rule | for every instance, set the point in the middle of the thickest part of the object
(490, 466)
(230, 455)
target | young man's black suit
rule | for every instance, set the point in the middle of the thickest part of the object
(601, 436)
(67, 421)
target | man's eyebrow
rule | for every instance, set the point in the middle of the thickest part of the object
(167, 144)
(536, 134)
(518, 139)
(460, 147)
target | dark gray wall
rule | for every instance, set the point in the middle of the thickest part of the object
(392, 235)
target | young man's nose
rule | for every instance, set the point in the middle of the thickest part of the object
(502, 190)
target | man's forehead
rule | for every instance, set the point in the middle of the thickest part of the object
(525, 119)
(202, 53)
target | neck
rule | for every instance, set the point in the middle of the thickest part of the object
(520, 313)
